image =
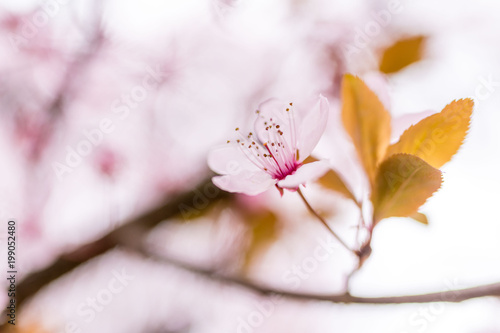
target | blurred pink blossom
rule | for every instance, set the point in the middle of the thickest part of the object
(108, 162)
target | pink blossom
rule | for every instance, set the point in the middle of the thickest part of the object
(284, 135)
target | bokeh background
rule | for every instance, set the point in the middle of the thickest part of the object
(108, 110)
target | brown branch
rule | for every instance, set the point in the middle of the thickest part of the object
(129, 235)
(452, 296)
(130, 232)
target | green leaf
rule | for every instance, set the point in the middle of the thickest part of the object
(333, 181)
(437, 138)
(264, 231)
(401, 54)
(366, 121)
(403, 183)
(420, 217)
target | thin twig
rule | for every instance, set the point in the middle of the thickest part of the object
(322, 220)
(451, 296)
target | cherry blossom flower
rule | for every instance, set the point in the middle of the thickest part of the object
(284, 136)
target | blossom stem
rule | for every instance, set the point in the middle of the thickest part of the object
(322, 220)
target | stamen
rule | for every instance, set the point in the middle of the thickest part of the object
(293, 133)
(274, 158)
(280, 156)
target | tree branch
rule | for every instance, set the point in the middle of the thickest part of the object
(325, 224)
(129, 233)
(452, 296)
(130, 236)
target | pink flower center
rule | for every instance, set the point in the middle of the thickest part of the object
(275, 155)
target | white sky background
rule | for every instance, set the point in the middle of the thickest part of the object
(461, 246)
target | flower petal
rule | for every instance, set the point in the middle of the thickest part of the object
(247, 182)
(276, 110)
(312, 126)
(307, 172)
(378, 83)
(229, 159)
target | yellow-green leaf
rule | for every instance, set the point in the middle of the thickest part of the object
(366, 121)
(403, 183)
(437, 138)
(332, 181)
(401, 54)
(264, 231)
(420, 217)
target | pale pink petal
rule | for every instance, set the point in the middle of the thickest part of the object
(276, 110)
(400, 124)
(247, 182)
(306, 173)
(312, 127)
(377, 82)
(229, 159)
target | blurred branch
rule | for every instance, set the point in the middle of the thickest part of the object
(74, 69)
(452, 296)
(129, 233)
(130, 236)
